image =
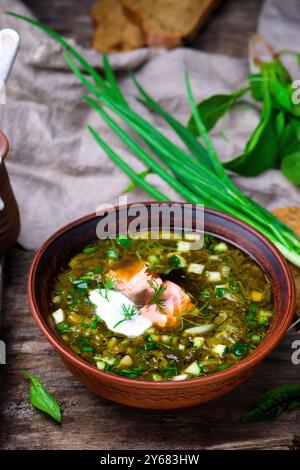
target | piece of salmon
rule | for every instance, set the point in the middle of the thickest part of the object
(175, 302)
(132, 279)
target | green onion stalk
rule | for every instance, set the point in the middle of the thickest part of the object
(194, 170)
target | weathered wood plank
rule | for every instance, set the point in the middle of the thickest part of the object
(91, 422)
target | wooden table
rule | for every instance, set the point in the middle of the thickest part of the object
(91, 422)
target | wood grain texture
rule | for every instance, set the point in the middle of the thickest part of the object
(90, 422)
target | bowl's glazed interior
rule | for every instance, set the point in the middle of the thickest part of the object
(56, 252)
(9, 213)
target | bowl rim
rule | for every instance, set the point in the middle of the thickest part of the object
(241, 366)
(4, 146)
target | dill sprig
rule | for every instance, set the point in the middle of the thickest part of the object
(128, 311)
(107, 284)
(158, 290)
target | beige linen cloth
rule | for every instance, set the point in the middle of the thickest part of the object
(58, 172)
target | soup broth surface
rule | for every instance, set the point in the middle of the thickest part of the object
(155, 310)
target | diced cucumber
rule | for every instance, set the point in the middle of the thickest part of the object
(221, 290)
(155, 338)
(126, 361)
(112, 253)
(166, 339)
(213, 276)
(225, 270)
(150, 330)
(183, 246)
(193, 369)
(220, 247)
(262, 320)
(199, 330)
(219, 349)
(101, 365)
(264, 317)
(107, 360)
(179, 377)
(256, 338)
(58, 316)
(157, 377)
(192, 237)
(266, 313)
(196, 268)
(198, 342)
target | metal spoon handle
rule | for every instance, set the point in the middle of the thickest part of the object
(9, 45)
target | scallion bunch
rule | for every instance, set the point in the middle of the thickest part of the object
(193, 170)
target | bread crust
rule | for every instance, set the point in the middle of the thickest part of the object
(114, 32)
(158, 33)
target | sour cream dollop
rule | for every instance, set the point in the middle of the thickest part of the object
(111, 311)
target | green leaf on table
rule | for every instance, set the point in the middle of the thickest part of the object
(260, 152)
(273, 403)
(41, 399)
(290, 167)
(213, 108)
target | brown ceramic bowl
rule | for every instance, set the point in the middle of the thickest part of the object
(161, 395)
(9, 216)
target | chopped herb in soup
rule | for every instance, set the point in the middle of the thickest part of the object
(156, 310)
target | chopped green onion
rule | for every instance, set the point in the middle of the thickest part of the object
(123, 241)
(240, 349)
(89, 250)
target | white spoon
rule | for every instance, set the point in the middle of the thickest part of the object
(9, 45)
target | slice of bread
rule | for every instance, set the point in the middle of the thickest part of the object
(114, 31)
(167, 23)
